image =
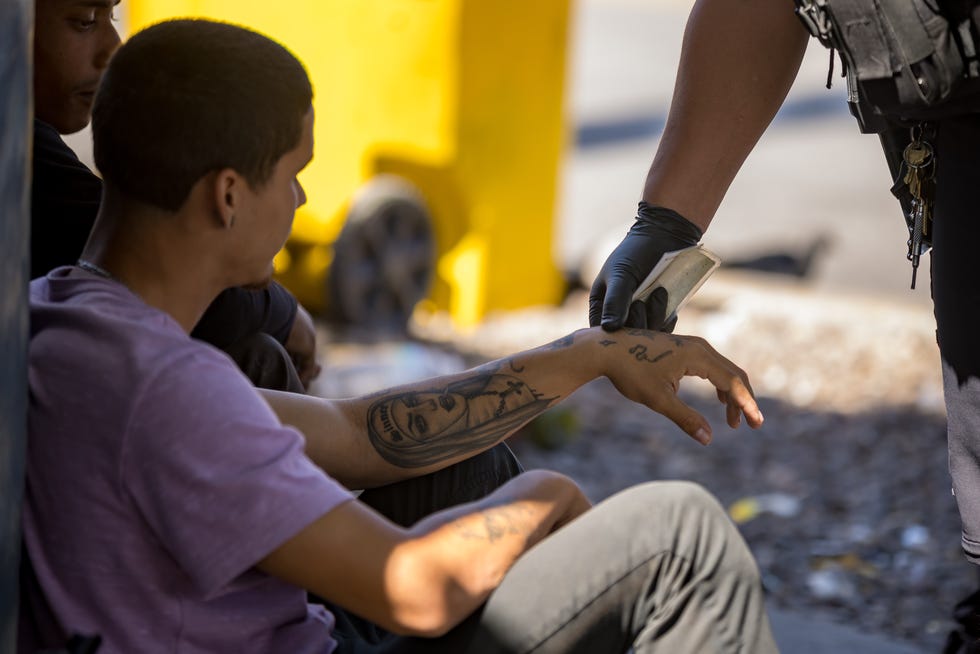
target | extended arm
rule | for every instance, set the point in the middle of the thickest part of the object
(426, 579)
(422, 427)
(738, 61)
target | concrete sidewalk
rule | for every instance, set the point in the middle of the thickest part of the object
(799, 634)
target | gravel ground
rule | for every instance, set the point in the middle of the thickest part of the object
(843, 494)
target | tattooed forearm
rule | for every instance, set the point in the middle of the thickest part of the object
(497, 522)
(642, 333)
(419, 428)
(562, 343)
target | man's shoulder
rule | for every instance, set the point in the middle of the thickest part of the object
(80, 320)
(92, 338)
(50, 147)
(61, 183)
(68, 293)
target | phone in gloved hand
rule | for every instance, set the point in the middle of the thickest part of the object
(680, 273)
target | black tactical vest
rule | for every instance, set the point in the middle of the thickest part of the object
(906, 61)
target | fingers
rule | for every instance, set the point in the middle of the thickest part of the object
(609, 304)
(616, 304)
(656, 311)
(596, 296)
(310, 371)
(690, 421)
(637, 316)
(646, 314)
(733, 415)
(674, 357)
(741, 373)
(732, 385)
(723, 361)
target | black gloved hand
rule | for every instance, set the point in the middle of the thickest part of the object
(657, 230)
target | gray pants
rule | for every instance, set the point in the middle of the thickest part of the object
(656, 568)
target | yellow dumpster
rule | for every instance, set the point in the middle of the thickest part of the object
(439, 131)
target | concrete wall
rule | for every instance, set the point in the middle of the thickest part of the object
(16, 19)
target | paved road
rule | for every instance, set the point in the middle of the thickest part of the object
(802, 634)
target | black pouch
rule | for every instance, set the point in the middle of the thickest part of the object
(906, 60)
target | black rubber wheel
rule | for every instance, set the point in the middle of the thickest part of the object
(384, 257)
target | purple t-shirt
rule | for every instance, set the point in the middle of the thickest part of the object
(157, 477)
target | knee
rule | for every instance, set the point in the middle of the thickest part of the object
(258, 347)
(686, 497)
(677, 507)
(265, 361)
(719, 544)
(698, 526)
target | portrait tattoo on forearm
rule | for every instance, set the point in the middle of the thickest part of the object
(415, 429)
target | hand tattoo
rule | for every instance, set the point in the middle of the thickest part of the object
(563, 342)
(642, 333)
(640, 353)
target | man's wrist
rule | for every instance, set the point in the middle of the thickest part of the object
(589, 352)
(667, 221)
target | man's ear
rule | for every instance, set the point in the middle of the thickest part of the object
(226, 188)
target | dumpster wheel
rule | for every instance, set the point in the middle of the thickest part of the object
(384, 257)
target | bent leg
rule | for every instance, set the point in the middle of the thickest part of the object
(659, 568)
(266, 363)
(407, 502)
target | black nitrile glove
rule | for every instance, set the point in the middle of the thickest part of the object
(657, 230)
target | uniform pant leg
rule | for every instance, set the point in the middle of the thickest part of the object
(956, 295)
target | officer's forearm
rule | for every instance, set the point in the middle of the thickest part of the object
(738, 61)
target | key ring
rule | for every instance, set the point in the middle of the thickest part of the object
(922, 146)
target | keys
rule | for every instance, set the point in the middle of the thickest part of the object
(920, 173)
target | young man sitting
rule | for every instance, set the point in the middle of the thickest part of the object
(170, 507)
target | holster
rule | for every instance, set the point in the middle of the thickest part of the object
(906, 61)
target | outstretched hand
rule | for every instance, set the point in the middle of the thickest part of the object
(647, 367)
